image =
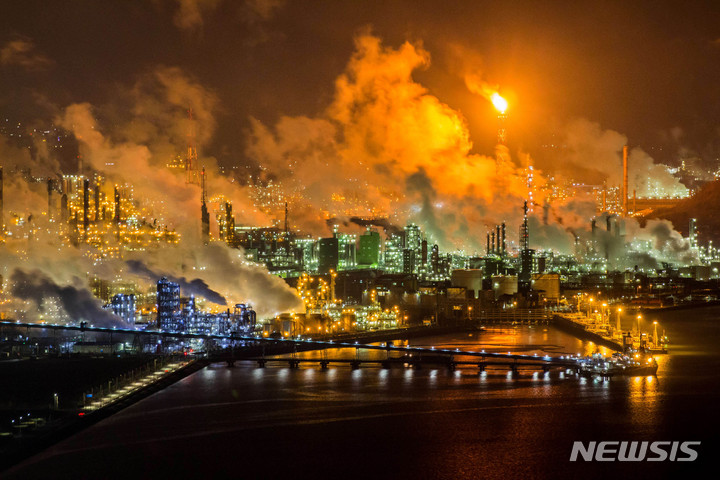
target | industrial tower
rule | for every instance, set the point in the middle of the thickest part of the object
(501, 106)
(204, 214)
(625, 182)
(524, 235)
(527, 255)
(192, 174)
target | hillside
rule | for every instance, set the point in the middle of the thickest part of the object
(704, 206)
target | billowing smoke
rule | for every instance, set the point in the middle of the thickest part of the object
(21, 52)
(78, 302)
(132, 158)
(649, 179)
(150, 127)
(383, 223)
(222, 268)
(138, 148)
(626, 243)
(386, 147)
(667, 244)
(195, 286)
(551, 236)
(587, 153)
(191, 15)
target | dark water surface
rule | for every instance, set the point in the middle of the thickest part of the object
(246, 422)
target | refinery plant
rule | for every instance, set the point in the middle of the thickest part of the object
(368, 274)
(178, 247)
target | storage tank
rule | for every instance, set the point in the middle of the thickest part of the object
(504, 285)
(549, 283)
(471, 279)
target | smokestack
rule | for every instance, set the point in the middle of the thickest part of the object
(492, 235)
(524, 233)
(49, 192)
(97, 202)
(229, 223)
(86, 204)
(504, 245)
(497, 235)
(286, 218)
(204, 214)
(63, 208)
(488, 245)
(625, 180)
(116, 219)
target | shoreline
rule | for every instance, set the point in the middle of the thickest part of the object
(75, 420)
(72, 423)
(689, 306)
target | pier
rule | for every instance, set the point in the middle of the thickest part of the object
(574, 326)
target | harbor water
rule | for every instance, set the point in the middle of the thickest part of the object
(277, 422)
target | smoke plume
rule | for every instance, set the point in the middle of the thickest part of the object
(78, 303)
(193, 287)
(385, 147)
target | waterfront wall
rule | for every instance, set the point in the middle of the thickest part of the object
(579, 331)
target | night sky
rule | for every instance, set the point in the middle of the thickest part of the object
(648, 70)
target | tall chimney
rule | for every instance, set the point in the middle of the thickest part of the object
(488, 245)
(63, 207)
(625, 180)
(286, 219)
(97, 202)
(497, 235)
(204, 214)
(86, 204)
(49, 192)
(117, 206)
(504, 244)
(524, 232)
(229, 223)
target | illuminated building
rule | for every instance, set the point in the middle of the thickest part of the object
(408, 260)
(305, 247)
(526, 254)
(393, 255)
(369, 250)
(413, 237)
(246, 317)
(124, 307)
(168, 306)
(328, 254)
(346, 251)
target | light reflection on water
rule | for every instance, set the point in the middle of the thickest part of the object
(425, 423)
(380, 383)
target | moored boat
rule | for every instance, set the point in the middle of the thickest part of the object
(619, 364)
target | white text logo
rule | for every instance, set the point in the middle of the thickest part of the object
(634, 451)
